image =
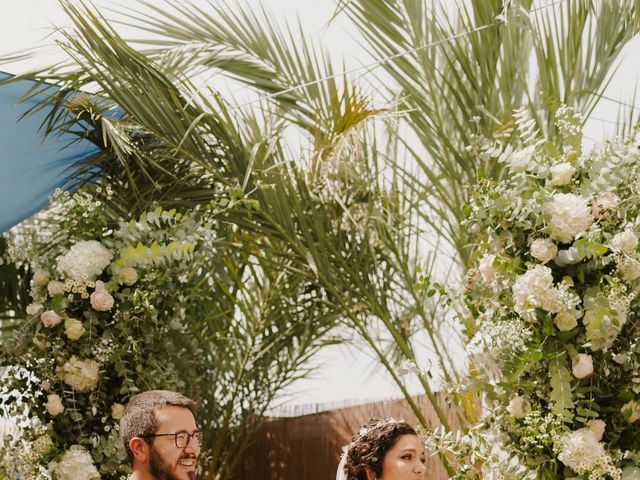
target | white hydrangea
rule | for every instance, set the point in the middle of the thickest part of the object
(76, 464)
(84, 261)
(580, 450)
(535, 289)
(569, 215)
(81, 375)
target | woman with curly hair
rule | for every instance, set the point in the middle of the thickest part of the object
(383, 449)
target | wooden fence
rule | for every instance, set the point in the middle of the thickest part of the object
(308, 447)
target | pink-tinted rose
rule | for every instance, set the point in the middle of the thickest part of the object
(129, 275)
(583, 366)
(101, 300)
(54, 405)
(597, 427)
(50, 318)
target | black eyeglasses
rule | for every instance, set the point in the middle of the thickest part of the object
(182, 439)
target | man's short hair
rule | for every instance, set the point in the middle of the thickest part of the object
(139, 418)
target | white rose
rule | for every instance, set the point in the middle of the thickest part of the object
(101, 300)
(117, 409)
(569, 215)
(40, 278)
(583, 367)
(54, 405)
(34, 308)
(73, 328)
(629, 268)
(129, 275)
(597, 427)
(561, 174)
(485, 267)
(604, 202)
(50, 318)
(81, 375)
(55, 287)
(625, 241)
(518, 407)
(543, 249)
(566, 321)
(633, 409)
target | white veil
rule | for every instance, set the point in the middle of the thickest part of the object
(340, 475)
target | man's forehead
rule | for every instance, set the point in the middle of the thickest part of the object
(173, 414)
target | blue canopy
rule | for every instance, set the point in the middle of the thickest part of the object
(30, 168)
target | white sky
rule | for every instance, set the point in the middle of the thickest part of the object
(343, 373)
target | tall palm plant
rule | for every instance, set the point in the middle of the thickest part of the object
(459, 79)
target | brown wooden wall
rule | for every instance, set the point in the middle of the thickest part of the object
(308, 447)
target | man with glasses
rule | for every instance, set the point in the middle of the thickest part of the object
(158, 431)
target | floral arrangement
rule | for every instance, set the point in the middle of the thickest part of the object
(96, 333)
(553, 315)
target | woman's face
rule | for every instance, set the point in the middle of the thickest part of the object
(405, 460)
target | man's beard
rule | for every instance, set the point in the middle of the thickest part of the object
(161, 471)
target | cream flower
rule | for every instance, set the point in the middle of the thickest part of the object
(81, 375)
(629, 268)
(626, 241)
(543, 249)
(566, 321)
(34, 308)
(129, 275)
(117, 409)
(54, 405)
(561, 174)
(73, 328)
(519, 407)
(55, 287)
(569, 215)
(101, 300)
(486, 269)
(40, 278)
(583, 367)
(50, 318)
(603, 203)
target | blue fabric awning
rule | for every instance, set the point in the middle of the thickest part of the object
(30, 168)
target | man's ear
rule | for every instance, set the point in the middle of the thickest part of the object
(139, 448)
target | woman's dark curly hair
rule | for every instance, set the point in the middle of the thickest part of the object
(369, 446)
